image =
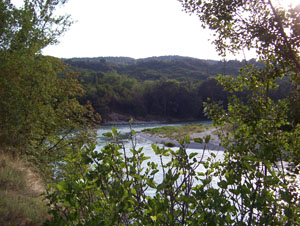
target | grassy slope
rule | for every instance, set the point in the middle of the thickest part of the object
(20, 193)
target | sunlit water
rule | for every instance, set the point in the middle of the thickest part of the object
(146, 144)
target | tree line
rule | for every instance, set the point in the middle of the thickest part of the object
(163, 88)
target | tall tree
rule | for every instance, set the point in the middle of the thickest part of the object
(32, 26)
(39, 113)
(262, 137)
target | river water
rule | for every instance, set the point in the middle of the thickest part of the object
(142, 141)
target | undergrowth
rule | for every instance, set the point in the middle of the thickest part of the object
(21, 202)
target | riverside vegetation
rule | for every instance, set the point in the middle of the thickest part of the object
(42, 122)
(177, 132)
(20, 193)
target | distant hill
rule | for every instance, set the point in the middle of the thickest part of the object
(111, 60)
(156, 88)
(154, 68)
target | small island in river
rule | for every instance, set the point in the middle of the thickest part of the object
(170, 136)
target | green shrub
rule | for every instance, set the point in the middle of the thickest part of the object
(115, 186)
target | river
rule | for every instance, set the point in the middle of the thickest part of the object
(142, 141)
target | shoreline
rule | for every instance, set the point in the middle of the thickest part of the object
(138, 122)
(159, 139)
(214, 143)
(120, 119)
(135, 122)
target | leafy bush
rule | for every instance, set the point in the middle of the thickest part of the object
(116, 186)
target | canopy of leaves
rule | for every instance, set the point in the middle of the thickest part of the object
(39, 113)
(32, 26)
(155, 68)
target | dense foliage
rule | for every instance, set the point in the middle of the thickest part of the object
(39, 113)
(257, 181)
(161, 88)
(263, 149)
(164, 67)
(126, 188)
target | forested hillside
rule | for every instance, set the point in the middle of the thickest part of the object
(159, 88)
(154, 68)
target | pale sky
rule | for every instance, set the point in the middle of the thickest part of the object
(134, 28)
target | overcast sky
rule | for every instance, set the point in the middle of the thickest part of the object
(133, 28)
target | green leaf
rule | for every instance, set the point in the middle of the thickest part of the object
(114, 130)
(154, 218)
(151, 183)
(131, 121)
(187, 139)
(198, 140)
(67, 204)
(133, 191)
(192, 155)
(181, 142)
(222, 184)
(207, 139)
(62, 186)
(156, 149)
(108, 134)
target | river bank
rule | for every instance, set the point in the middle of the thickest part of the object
(122, 119)
(158, 138)
(214, 143)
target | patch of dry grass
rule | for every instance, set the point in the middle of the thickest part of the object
(21, 202)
